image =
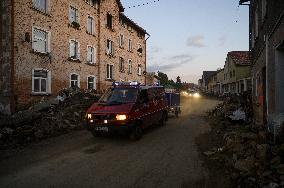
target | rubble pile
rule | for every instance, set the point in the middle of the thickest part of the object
(46, 118)
(246, 151)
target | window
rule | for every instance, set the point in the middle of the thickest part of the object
(41, 80)
(121, 64)
(74, 80)
(40, 40)
(121, 40)
(109, 21)
(40, 5)
(139, 50)
(91, 25)
(109, 71)
(139, 70)
(129, 66)
(110, 50)
(73, 15)
(74, 49)
(130, 45)
(92, 2)
(233, 73)
(91, 82)
(91, 55)
(230, 74)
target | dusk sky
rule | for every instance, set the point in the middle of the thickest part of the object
(189, 36)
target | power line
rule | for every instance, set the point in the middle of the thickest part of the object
(143, 4)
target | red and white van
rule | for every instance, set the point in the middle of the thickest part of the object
(128, 108)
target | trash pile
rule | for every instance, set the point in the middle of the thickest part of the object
(247, 152)
(47, 118)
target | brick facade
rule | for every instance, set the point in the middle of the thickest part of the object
(55, 22)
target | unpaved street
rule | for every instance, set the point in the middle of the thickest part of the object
(165, 157)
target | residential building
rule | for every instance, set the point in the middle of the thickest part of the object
(212, 83)
(267, 51)
(49, 45)
(220, 81)
(152, 78)
(236, 77)
(205, 80)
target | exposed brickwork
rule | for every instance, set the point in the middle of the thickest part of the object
(57, 62)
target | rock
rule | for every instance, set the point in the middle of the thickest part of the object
(267, 173)
(249, 136)
(261, 151)
(280, 169)
(271, 185)
(275, 161)
(76, 114)
(7, 130)
(262, 136)
(209, 153)
(244, 165)
(39, 134)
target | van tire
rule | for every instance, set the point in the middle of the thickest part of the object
(163, 119)
(136, 133)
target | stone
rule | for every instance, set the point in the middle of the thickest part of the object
(275, 161)
(267, 173)
(244, 165)
(249, 136)
(39, 134)
(261, 151)
(271, 185)
(209, 153)
(7, 130)
(280, 169)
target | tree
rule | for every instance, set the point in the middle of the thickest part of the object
(178, 84)
(163, 78)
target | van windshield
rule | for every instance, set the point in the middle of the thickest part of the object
(119, 96)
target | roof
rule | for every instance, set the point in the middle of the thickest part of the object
(121, 8)
(133, 23)
(243, 1)
(207, 75)
(240, 57)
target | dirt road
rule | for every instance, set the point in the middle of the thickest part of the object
(165, 157)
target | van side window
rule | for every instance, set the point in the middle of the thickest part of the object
(143, 96)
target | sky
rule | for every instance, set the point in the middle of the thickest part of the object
(188, 37)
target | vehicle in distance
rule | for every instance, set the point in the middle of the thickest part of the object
(127, 108)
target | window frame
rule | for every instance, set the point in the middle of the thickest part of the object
(70, 79)
(47, 79)
(121, 64)
(94, 82)
(109, 72)
(121, 40)
(93, 25)
(44, 10)
(130, 45)
(129, 66)
(110, 48)
(77, 53)
(48, 37)
(109, 21)
(93, 55)
(139, 70)
(77, 14)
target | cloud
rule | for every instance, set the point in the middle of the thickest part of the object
(155, 49)
(195, 41)
(171, 63)
(222, 40)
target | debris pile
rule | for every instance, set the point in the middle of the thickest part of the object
(247, 152)
(46, 118)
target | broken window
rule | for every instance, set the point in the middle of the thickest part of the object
(40, 40)
(109, 21)
(40, 81)
(90, 25)
(74, 80)
(40, 5)
(74, 49)
(109, 71)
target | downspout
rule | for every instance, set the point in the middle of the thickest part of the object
(146, 58)
(267, 82)
(99, 46)
(12, 79)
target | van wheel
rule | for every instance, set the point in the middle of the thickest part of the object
(163, 119)
(136, 133)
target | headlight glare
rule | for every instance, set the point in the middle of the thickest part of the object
(120, 117)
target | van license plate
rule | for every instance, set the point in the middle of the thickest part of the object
(105, 129)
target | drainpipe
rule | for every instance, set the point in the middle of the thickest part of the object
(12, 79)
(146, 57)
(99, 46)
(267, 82)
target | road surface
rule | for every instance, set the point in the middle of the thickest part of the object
(164, 157)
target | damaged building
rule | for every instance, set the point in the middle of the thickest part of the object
(267, 52)
(50, 45)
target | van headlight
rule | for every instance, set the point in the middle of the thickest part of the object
(121, 117)
(89, 116)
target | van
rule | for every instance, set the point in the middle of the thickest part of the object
(128, 108)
